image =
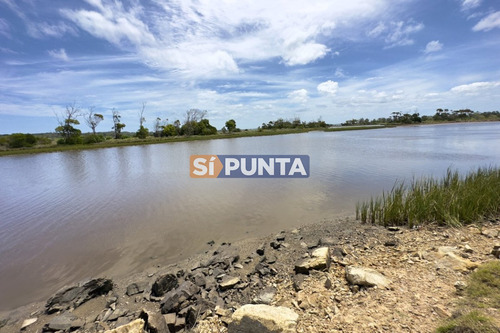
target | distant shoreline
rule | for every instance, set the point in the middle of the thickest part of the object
(153, 140)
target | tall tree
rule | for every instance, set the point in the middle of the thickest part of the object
(93, 119)
(117, 124)
(231, 125)
(69, 133)
(143, 132)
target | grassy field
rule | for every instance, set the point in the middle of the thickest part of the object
(453, 200)
(153, 140)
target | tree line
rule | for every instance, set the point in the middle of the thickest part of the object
(441, 115)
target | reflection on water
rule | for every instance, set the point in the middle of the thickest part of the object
(71, 215)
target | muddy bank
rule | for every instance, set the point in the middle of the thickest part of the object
(334, 276)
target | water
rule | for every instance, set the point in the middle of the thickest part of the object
(73, 215)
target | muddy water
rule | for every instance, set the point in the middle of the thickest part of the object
(73, 215)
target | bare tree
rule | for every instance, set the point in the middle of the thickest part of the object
(66, 121)
(141, 115)
(93, 119)
(193, 116)
(117, 125)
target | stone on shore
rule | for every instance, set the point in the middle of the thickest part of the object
(164, 284)
(75, 296)
(496, 251)
(449, 259)
(28, 322)
(366, 277)
(228, 282)
(319, 260)
(136, 326)
(262, 318)
(154, 322)
(136, 288)
(65, 322)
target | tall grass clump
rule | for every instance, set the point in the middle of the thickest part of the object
(453, 200)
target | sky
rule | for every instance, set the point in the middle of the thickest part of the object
(248, 60)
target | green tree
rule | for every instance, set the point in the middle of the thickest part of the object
(230, 125)
(169, 130)
(19, 140)
(70, 134)
(118, 126)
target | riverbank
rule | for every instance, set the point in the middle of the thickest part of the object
(153, 140)
(423, 271)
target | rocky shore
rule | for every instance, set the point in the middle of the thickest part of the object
(335, 276)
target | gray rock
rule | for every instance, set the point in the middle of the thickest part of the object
(173, 300)
(261, 249)
(154, 322)
(136, 288)
(75, 296)
(328, 241)
(319, 260)
(266, 296)
(229, 282)
(298, 281)
(170, 319)
(117, 314)
(64, 322)
(366, 277)
(164, 284)
(262, 318)
(199, 280)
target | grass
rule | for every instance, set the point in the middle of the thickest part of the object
(153, 140)
(453, 200)
(481, 292)
(357, 128)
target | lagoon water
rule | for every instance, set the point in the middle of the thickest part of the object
(72, 215)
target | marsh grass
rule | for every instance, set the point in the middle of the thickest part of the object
(472, 322)
(453, 200)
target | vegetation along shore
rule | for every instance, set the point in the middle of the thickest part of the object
(196, 127)
(440, 273)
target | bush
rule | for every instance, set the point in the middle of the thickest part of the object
(89, 139)
(19, 140)
(142, 133)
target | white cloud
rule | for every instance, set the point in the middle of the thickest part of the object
(475, 88)
(470, 4)
(433, 46)
(204, 38)
(399, 33)
(328, 87)
(298, 96)
(44, 29)
(59, 54)
(491, 21)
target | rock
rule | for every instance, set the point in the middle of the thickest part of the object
(496, 251)
(191, 317)
(468, 249)
(75, 296)
(199, 280)
(164, 284)
(64, 322)
(262, 318)
(28, 322)
(441, 312)
(460, 287)
(154, 322)
(170, 319)
(174, 298)
(136, 288)
(393, 229)
(391, 242)
(275, 245)
(328, 241)
(136, 326)
(228, 282)
(280, 237)
(455, 262)
(298, 281)
(319, 260)
(366, 277)
(490, 233)
(266, 296)
(117, 314)
(261, 249)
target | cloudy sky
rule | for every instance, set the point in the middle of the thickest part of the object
(250, 60)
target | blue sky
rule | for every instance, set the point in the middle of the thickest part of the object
(250, 60)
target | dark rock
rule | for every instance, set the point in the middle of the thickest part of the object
(496, 251)
(175, 298)
(261, 249)
(275, 245)
(211, 243)
(118, 313)
(164, 284)
(180, 323)
(262, 269)
(280, 237)
(338, 253)
(313, 244)
(391, 242)
(191, 317)
(298, 281)
(136, 288)
(75, 296)
(154, 322)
